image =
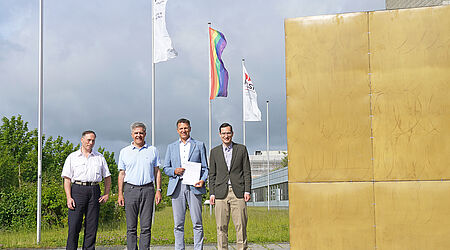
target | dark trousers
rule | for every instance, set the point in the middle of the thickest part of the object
(86, 203)
(139, 202)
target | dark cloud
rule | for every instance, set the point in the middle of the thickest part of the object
(97, 66)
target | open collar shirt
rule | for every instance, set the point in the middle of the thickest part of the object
(92, 168)
(184, 149)
(228, 154)
(139, 164)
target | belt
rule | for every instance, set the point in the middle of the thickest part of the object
(85, 183)
(145, 185)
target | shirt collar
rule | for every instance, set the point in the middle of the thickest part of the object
(79, 153)
(134, 147)
(187, 141)
(227, 148)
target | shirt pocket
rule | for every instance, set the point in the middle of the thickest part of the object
(97, 166)
(79, 168)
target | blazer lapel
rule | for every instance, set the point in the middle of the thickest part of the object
(193, 145)
(176, 151)
(221, 158)
(233, 155)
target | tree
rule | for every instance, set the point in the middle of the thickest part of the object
(112, 166)
(54, 154)
(285, 160)
(18, 177)
(16, 142)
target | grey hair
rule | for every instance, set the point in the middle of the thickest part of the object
(138, 125)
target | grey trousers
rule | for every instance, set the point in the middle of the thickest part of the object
(183, 194)
(139, 202)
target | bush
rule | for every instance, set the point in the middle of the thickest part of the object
(18, 208)
(54, 204)
(111, 212)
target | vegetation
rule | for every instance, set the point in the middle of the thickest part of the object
(285, 160)
(263, 226)
(18, 177)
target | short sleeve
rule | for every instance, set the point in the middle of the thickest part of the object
(157, 161)
(105, 169)
(121, 165)
(67, 168)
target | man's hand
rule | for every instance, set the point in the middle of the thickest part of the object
(120, 200)
(104, 198)
(70, 203)
(212, 200)
(157, 197)
(179, 171)
(199, 184)
(246, 197)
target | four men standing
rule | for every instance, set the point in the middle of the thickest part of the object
(184, 150)
(139, 184)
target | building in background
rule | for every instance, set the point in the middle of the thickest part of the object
(258, 162)
(278, 183)
(400, 4)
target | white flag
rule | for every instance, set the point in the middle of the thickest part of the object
(250, 102)
(163, 45)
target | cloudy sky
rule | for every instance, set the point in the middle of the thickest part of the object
(97, 65)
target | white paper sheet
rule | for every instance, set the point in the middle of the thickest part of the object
(191, 173)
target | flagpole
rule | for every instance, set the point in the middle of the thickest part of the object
(268, 160)
(40, 122)
(209, 100)
(153, 74)
(153, 89)
(243, 96)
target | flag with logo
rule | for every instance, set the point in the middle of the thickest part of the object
(250, 101)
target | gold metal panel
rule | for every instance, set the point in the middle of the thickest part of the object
(327, 88)
(331, 215)
(413, 215)
(410, 61)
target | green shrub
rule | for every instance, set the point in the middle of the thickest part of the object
(18, 208)
(54, 204)
(110, 211)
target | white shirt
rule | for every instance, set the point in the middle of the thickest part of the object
(184, 150)
(86, 169)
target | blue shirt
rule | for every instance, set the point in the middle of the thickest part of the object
(138, 164)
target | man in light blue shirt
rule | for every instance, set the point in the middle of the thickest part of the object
(138, 174)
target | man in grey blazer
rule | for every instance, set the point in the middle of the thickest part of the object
(229, 187)
(183, 150)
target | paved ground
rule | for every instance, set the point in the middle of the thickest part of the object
(283, 245)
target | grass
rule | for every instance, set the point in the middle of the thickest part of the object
(263, 226)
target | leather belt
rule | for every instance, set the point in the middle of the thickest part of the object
(145, 185)
(86, 183)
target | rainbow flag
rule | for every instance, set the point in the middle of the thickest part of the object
(219, 75)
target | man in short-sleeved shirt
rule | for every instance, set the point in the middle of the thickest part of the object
(83, 170)
(138, 174)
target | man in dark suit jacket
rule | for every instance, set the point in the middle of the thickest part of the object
(229, 186)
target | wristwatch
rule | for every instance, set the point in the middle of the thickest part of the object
(159, 189)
